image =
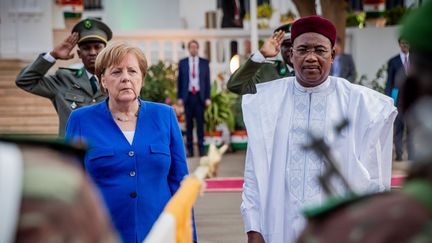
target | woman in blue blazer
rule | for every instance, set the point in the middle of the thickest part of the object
(135, 154)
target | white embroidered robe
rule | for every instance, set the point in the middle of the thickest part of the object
(281, 177)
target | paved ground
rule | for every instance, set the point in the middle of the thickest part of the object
(217, 214)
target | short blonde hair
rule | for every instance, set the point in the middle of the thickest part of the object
(114, 53)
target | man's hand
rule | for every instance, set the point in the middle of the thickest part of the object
(207, 102)
(180, 102)
(63, 50)
(255, 237)
(271, 46)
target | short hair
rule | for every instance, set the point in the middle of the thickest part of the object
(193, 41)
(400, 39)
(338, 40)
(114, 53)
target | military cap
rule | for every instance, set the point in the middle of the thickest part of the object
(417, 28)
(286, 28)
(92, 30)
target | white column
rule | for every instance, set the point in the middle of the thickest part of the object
(161, 50)
(201, 47)
(227, 51)
(148, 52)
(174, 50)
(213, 51)
(254, 26)
(240, 46)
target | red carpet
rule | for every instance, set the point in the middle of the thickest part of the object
(397, 181)
(227, 184)
(236, 184)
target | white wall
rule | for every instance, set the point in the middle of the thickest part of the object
(192, 12)
(25, 28)
(139, 14)
(371, 48)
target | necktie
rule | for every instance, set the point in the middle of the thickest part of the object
(236, 10)
(193, 68)
(406, 64)
(93, 84)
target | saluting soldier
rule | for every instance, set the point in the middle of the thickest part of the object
(262, 66)
(69, 89)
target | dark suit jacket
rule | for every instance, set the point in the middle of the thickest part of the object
(347, 68)
(183, 79)
(395, 74)
(228, 13)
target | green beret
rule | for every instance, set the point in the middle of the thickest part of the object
(285, 28)
(92, 30)
(417, 28)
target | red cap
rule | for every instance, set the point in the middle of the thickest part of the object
(314, 24)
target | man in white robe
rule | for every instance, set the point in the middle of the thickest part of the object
(281, 178)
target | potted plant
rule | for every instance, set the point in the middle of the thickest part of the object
(287, 17)
(264, 13)
(239, 135)
(219, 112)
(355, 19)
(395, 15)
(160, 86)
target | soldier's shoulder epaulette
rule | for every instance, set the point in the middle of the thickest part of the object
(77, 72)
(332, 204)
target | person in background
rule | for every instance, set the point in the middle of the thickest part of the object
(397, 69)
(233, 13)
(343, 65)
(193, 92)
(401, 215)
(280, 176)
(69, 89)
(258, 69)
(136, 154)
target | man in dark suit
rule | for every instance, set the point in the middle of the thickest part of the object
(69, 89)
(193, 92)
(397, 68)
(343, 64)
(233, 13)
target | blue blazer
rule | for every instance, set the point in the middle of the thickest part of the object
(183, 80)
(136, 181)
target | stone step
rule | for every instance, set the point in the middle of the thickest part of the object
(26, 111)
(24, 99)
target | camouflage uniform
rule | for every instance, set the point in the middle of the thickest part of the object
(59, 203)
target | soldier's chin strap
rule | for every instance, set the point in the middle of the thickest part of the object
(11, 169)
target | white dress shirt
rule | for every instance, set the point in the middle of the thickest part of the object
(194, 82)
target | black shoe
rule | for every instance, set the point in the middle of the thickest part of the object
(189, 155)
(202, 153)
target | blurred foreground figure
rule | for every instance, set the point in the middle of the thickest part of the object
(398, 216)
(47, 197)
